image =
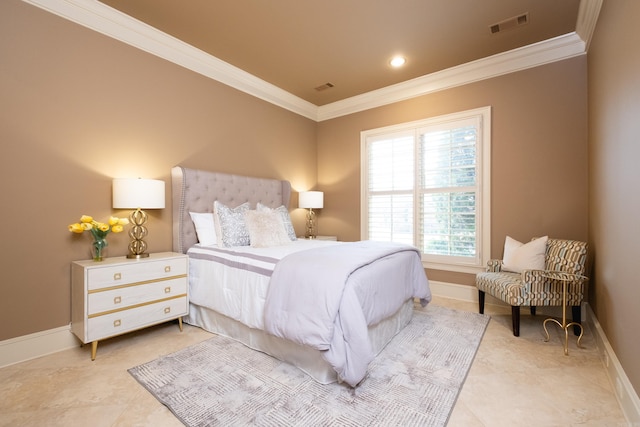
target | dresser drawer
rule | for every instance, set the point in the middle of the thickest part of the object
(131, 295)
(119, 322)
(126, 273)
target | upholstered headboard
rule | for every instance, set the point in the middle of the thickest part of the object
(195, 191)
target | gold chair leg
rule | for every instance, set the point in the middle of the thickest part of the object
(94, 349)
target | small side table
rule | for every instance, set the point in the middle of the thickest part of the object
(565, 278)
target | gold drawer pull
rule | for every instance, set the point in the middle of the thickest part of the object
(117, 323)
(167, 269)
(117, 300)
(117, 276)
(167, 310)
(167, 290)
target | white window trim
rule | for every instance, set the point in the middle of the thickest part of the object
(484, 164)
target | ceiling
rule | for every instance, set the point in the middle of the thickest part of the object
(299, 45)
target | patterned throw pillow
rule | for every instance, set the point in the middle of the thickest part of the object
(233, 231)
(284, 215)
(265, 229)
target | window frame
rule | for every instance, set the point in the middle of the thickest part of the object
(483, 202)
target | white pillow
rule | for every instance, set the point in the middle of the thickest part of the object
(266, 229)
(284, 215)
(231, 229)
(519, 256)
(205, 227)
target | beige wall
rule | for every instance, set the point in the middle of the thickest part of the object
(539, 154)
(614, 150)
(78, 109)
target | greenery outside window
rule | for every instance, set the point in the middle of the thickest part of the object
(427, 183)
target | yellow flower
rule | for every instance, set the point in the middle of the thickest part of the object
(102, 226)
(99, 230)
(76, 228)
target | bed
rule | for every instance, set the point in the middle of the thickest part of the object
(238, 288)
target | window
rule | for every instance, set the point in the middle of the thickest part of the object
(426, 183)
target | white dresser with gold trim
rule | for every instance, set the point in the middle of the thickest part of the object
(119, 295)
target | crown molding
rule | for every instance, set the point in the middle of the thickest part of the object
(587, 18)
(104, 19)
(101, 18)
(556, 49)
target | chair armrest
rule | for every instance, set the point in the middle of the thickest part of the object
(494, 266)
(530, 276)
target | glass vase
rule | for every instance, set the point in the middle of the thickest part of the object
(98, 248)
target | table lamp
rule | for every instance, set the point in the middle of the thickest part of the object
(138, 194)
(311, 200)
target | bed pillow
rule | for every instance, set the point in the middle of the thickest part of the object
(231, 229)
(284, 215)
(205, 227)
(520, 256)
(265, 229)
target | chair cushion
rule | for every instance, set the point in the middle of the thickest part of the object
(541, 291)
(505, 286)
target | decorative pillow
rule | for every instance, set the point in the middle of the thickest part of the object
(205, 227)
(519, 256)
(266, 229)
(284, 215)
(231, 228)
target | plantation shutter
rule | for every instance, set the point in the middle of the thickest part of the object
(391, 188)
(448, 188)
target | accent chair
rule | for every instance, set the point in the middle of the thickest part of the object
(534, 287)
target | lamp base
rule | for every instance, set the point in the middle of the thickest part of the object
(138, 232)
(311, 225)
(137, 256)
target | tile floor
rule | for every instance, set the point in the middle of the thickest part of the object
(512, 382)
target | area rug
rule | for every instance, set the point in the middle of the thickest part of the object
(415, 380)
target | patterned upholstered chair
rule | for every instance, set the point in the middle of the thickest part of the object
(538, 287)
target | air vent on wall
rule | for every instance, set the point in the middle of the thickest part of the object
(324, 87)
(510, 23)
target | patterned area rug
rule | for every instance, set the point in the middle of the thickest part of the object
(414, 381)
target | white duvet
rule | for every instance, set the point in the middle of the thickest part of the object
(327, 298)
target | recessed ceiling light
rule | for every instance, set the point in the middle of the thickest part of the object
(397, 61)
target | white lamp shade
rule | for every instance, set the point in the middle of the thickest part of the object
(132, 193)
(311, 199)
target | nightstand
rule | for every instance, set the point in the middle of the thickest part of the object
(120, 295)
(335, 238)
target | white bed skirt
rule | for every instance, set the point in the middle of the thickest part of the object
(305, 358)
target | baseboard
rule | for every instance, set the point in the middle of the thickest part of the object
(27, 347)
(626, 395)
(455, 291)
(628, 398)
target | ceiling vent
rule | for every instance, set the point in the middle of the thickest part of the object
(508, 24)
(324, 87)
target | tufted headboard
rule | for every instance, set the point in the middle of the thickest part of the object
(195, 190)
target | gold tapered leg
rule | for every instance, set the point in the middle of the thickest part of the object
(94, 349)
(180, 323)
